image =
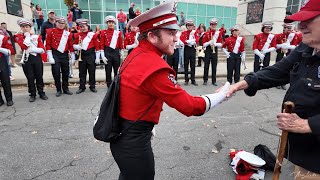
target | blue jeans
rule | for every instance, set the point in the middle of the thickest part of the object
(9, 64)
(122, 26)
(180, 57)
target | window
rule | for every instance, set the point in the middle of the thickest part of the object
(211, 11)
(109, 5)
(96, 17)
(95, 5)
(293, 6)
(53, 4)
(192, 9)
(219, 11)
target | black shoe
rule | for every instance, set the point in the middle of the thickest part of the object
(186, 83)
(80, 91)
(58, 94)
(284, 87)
(278, 87)
(43, 97)
(67, 92)
(215, 84)
(32, 99)
(1, 102)
(93, 90)
(205, 83)
(9, 103)
(194, 83)
(199, 65)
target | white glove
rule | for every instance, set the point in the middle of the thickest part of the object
(258, 53)
(76, 47)
(292, 47)
(226, 52)
(280, 46)
(97, 61)
(206, 44)
(36, 50)
(265, 51)
(103, 57)
(213, 100)
(243, 56)
(219, 45)
(50, 57)
(122, 53)
(26, 34)
(128, 47)
(5, 51)
(191, 42)
(72, 58)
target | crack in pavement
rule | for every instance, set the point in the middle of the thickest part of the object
(93, 114)
(97, 174)
(70, 164)
(268, 132)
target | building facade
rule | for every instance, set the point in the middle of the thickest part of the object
(200, 11)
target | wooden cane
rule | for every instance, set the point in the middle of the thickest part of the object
(288, 108)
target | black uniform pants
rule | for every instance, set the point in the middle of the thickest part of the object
(189, 56)
(87, 65)
(256, 64)
(233, 67)
(213, 58)
(33, 70)
(173, 61)
(113, 56)
(133, 152)
(280, 55)
(5, 79)
(61, 65)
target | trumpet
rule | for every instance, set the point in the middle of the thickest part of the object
(24, 57)
(212, 46)
(80, 44)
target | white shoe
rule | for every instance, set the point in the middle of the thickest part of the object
(11, 78)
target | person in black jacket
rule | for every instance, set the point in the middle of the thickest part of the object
(48, 24)
(302, 70)
(76, 11)
(131, 12)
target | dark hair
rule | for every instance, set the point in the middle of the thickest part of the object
(288, 13)
(3, 23)
(262, 29)
(144, 35)
(202, 25)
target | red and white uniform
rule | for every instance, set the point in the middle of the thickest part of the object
(264, 41)
(6, 44)
(234, 44)
(36, 41)
(130, 39)
(214, 35)
(144, 82)
(188, 37)
(111, 38)
(59, 39)
(89, 40)
(286, 38)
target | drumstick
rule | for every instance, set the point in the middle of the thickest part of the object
(288, 108)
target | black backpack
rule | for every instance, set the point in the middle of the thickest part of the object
(264, 153)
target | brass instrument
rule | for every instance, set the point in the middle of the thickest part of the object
(212, 46)
(24, 57)
(80, 44)
(284, 51)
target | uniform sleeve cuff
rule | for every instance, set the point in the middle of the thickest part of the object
(314, 123)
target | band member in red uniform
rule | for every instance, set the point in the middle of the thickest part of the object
(173, 59)
(223, 31)
(212, 40)
(32, 47)
(233, 47)
(200, 51)
(110, 45)
(131, 39)
(88, 44)
(263, 44)
(58, 44)
(5, 50)
(146, 83)
(188, 37)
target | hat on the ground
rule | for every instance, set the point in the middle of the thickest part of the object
(82, 22)
(213, 21)
(23, 22)
(309, 9)
(189, 22)
(60, 19)
(161, 16)
(267, 24)
(110, 18)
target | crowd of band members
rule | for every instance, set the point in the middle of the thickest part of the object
(108, 46)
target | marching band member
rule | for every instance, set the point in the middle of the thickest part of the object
(5, 50)
(88, 44)
(233, 47)
(200, 51)
(188, 37)
(263, 44)
(131, 39)
(110, 45)
(32, 65)
(212, 40)
(58, 44)
(173, 60)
